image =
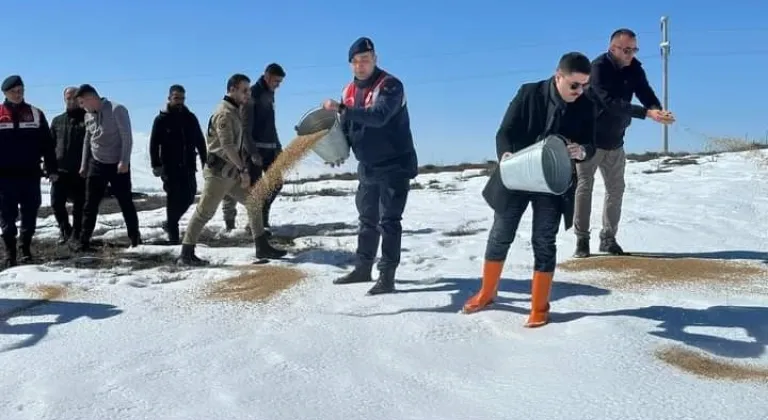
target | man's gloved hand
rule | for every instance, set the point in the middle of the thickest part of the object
(158, 171)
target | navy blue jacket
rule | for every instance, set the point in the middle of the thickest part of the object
(380, 135)
(25, 140)
(612, 87)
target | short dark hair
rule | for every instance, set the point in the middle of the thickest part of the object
(86, 89)
(623, 31)
(574, 62)
(236, 79)
(176, 88)
(275, 69)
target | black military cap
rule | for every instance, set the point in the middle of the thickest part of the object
(11, 82)
(361, 45)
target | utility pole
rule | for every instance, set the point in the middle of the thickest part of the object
(665, 78)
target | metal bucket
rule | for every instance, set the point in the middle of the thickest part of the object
(333, 147)
(544, 166)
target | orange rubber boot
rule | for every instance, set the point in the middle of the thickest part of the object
(488, 289)
(541, 286)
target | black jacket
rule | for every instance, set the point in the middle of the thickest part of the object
(175, 141)
(68, 132)
(536, 112)
(25, 140)
(612, 87)
(264, 139)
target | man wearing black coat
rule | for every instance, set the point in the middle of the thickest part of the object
(174, 144)
(25, 139)
(68, 131)
(616, 76)
(554, 106)
(262, 141)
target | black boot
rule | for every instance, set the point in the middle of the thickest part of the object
(26, 249)
(188, 256)
(10, 252)
(384, 284)
(582, 248)
(135, 240)
(265, 250)
(361, 274)
(173, 234)
(65, 234)
(610, 246)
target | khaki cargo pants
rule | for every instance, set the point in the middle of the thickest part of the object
(611, 164)
(215, 188)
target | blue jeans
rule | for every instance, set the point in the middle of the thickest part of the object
(546, 222)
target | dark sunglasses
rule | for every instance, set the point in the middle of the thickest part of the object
(629, 50)
(577, 85)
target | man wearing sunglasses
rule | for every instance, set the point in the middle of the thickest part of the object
(616, 76)
(553, 106)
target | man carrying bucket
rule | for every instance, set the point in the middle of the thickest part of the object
(554, 106)
(374, 118)
(616, 76)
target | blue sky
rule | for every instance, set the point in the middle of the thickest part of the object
(461, 62)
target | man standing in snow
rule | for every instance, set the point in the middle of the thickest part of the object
(25, 138)
(174, 144)
(261, 140)
(375, 119)
(617, 75)
(554, 106)
(68, 130)
(106, 161)
(226, 173)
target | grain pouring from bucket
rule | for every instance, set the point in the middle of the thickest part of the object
(292, 154)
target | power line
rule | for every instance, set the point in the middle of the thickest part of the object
(467, 78)
(508, 48)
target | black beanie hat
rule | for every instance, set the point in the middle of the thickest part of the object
(11, 82)
(361, 45)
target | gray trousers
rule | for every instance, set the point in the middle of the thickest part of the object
(612, 164)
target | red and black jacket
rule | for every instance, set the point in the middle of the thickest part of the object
(25, 140)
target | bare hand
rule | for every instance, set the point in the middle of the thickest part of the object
(53, 177)
(83, 172)
(330, 105)
(661, 116)
(576, 151)
(245, 180)
(122, 168)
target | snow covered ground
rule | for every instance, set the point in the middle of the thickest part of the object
(138, 346)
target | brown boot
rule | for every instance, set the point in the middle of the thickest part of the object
(541, 286)
(488, 289)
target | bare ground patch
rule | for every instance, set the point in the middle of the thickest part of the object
(709, 367)
(105, 255)
(639, 271)
(255, 284)
(143, 202)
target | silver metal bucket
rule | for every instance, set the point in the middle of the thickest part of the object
(333, 147)
(544, 166)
